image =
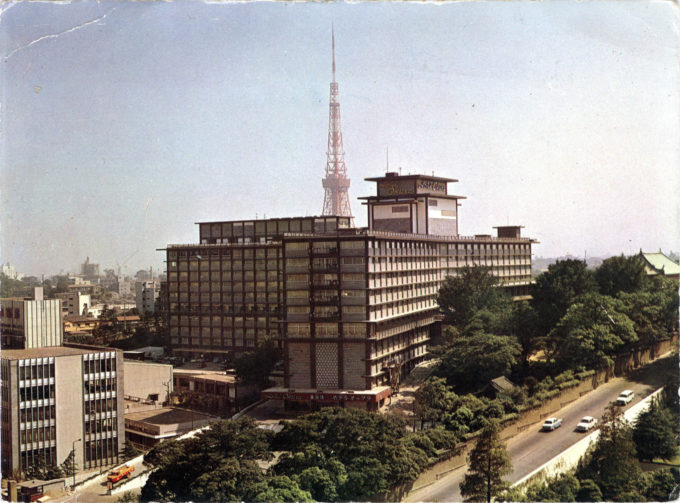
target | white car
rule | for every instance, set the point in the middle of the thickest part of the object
(552, 423)
(586, 423)
(625, 397)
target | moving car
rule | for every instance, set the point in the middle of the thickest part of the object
(586, 423)
(625, 397)
(552, 423)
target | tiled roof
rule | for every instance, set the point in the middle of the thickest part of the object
(660, 262)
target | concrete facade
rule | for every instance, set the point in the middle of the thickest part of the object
(353, 309)
(58, 399)
(31, 323)
(75, 303)
(146, 295)
(147, 381)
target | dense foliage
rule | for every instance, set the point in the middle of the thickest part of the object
(578, 322)
(332, 455)
(255, 366)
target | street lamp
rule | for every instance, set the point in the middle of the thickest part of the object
(73, 466)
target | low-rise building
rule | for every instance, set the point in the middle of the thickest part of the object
(144, 429)
(148, 381)
(80, 324)
(213, 391)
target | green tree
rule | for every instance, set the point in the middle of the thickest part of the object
(229, 481)
(562, 487)
(589, 491)
(525, 327)
(255, 366)
(621, 274)
(558, 288)
(277, 489)
(129, 451)
(471, 362)
(661, 484)
(612, 464)
(69, 467)
(195, 468)
(489, 463)
(474, 289)
(432, 400)
(591, 333)
(10, 287)
(654, 433)
(128, 497)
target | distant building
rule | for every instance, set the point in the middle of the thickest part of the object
(85, 288)
(31, 322)
(90, 271)
(658, 264)
(75, 303)
(9, 271)
(124, 287)
(55, 399)
(146, 295)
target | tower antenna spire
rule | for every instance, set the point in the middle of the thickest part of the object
(335, 183)
(333, 49)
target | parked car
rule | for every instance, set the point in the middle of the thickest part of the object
(586, 423)
(552, 423)
(625, 397)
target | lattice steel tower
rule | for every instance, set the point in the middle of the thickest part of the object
(336, 183)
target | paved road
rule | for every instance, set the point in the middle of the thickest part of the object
(532, 448)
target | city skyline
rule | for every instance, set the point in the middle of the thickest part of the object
(125, 123)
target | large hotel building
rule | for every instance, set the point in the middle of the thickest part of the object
(353, 308)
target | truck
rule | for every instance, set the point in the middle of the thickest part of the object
(120, 473)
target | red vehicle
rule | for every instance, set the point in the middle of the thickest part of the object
(123, 472)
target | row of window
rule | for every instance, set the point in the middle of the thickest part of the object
(41, 413)
(29, 393)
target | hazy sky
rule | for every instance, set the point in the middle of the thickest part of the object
(123, 123)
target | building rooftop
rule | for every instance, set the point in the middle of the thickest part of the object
(661, 263)
(22, 354)
(168, 416)
(208, 375)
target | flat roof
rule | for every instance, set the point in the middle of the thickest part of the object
(22, 354)
(168, 416)
(208, 375)
(396, 176)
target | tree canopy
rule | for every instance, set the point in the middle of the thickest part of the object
(654, 433)
(558, 288)
(591, 332)
(471, 362)
(474, 289)
(621, 274)
(255, 366)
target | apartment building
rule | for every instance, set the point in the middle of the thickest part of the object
(353, 309)
(58, 400)
(146, 296)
